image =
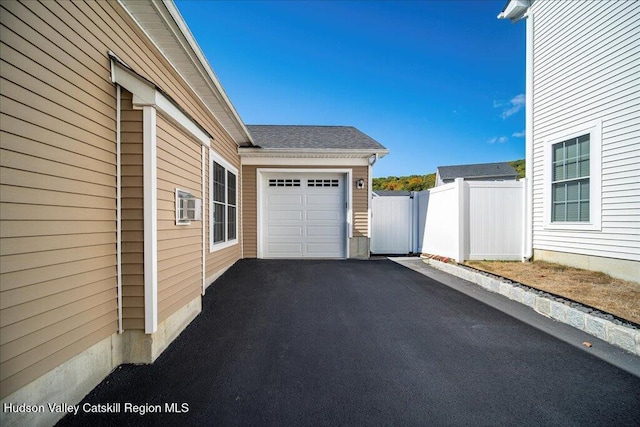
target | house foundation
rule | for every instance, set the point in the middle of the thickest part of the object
(71, 381)
(618, 268)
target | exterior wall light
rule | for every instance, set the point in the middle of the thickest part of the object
(360, 183)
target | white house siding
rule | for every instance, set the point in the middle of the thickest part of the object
(587, 68)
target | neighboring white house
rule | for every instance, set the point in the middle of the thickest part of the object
(583, 132)
(476, 172)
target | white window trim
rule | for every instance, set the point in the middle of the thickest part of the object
(214, 157)
(594, 129)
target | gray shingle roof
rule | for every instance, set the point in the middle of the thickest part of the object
(312, 137)
(477, 171)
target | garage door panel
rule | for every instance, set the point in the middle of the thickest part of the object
(281, 215)
(286, 250)
(323, 215)
(305, 220)
(325, 201)
(277, 231)
(323, 250)
(329, 232)
(284, 199)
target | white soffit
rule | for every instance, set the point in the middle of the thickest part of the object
(317, 157)
(514, 10)
(162, 23)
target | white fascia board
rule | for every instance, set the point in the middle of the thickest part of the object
(146, 93)
(310, 152)
(515, 10)
(169, 109)
(200, 62)
(304, 161)
(261, 156)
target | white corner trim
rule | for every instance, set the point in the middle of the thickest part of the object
(527, 253)
(349, 184)
(369, 198)
(150, 220)
(145, 93)
(593, 128)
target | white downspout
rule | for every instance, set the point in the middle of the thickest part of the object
(240, 209)
(529, 86)
(204, 220)
(119, 207)
(372, 161)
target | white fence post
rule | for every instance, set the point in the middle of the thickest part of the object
(461, 208)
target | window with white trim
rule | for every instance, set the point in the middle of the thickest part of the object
(223, 215)
(570, 180)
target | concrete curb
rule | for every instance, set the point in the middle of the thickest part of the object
(604, 326)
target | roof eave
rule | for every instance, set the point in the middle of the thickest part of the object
(311, 152)
(196, 71)
(515, 176)
(514, 10)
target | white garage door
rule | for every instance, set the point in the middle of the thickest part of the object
(303, 215)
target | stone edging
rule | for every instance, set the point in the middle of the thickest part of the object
(610, 330)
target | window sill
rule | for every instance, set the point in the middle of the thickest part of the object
(222, 245)
(573, 226)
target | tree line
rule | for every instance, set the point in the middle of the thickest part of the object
(424, 182)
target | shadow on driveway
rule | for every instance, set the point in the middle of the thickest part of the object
(364, 343)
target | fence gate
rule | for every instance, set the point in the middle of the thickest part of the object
(391, 225)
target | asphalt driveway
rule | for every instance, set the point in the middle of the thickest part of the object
(363, 343)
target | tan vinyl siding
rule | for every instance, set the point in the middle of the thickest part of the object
(179, 246)
(111, 28)
(58, 139)
(132, 213)
(250, 209)
(360, 202)
(582, 74)
(57, 195)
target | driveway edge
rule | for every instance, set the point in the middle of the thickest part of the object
(604, 327)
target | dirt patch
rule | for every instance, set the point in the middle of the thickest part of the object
(615, 296)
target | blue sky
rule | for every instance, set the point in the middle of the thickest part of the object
(436, 82)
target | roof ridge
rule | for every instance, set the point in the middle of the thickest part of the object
(318, 126)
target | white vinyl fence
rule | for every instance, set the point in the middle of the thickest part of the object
(391, 220)
(462, 220)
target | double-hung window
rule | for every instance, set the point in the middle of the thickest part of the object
(573, 182)
(570, 180)
(224, 203)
